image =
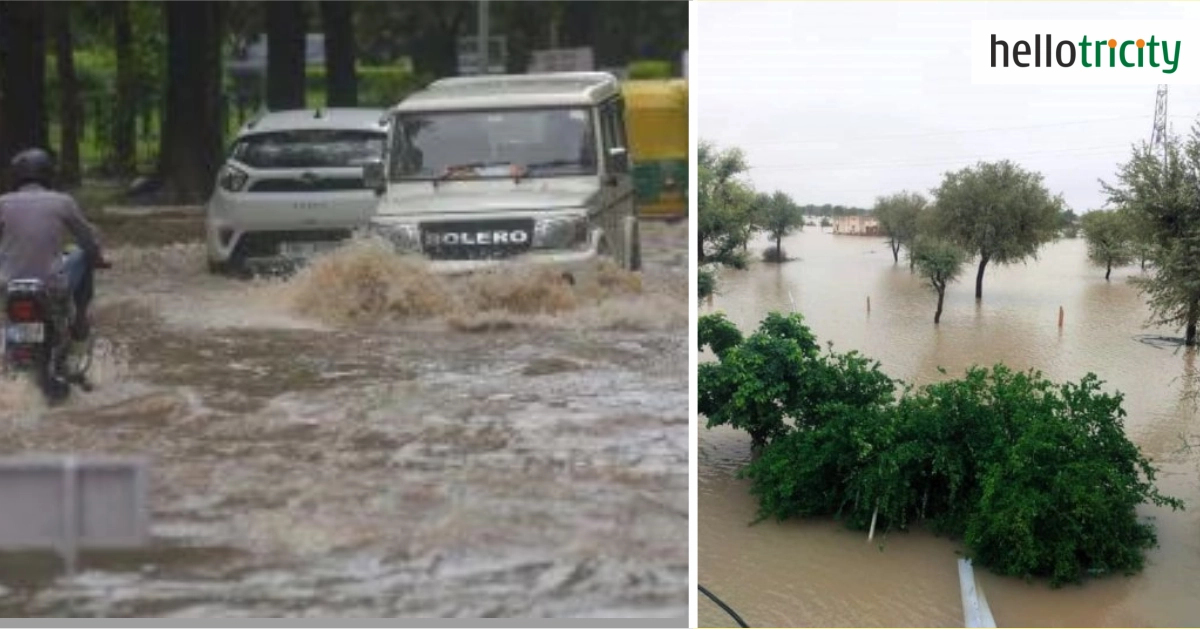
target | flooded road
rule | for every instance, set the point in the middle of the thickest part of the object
(817, 573)
(361, 440)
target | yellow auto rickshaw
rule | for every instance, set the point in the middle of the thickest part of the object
(656, 118)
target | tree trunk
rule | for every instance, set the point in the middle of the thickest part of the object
(125, 116)
(1193, 314)
(895, 252)
(779, 247)
(285, 55)
(192, 135)
(341, 82)
(983, 260)
(23, 80)
(1108, 271)
(434, 49)
(937, 316)
(68, 95)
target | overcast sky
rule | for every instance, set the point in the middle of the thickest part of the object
(842, 102)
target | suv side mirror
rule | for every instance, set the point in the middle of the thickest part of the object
(620, 158)
(373, 176)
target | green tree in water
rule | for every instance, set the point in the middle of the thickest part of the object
(725, 205)
(940, 263)
(1109, 237)
(997, 211)
(779, 216)
(898, 214)
(755, 380)
(1164, 200)
(1037, 479)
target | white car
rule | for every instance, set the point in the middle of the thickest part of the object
(292, 186)
(484, 170)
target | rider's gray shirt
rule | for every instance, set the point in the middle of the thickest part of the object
(33, 224)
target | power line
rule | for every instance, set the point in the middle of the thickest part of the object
(1080, 151)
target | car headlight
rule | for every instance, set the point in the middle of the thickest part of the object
(402, 236)
(232, 179)
(560, 232)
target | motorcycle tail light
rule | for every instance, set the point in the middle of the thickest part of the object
(22, 310)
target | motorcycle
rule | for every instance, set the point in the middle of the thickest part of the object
(37, 338)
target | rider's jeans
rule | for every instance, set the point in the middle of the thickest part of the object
(79, 279)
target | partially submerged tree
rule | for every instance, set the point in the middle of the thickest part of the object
(725, 204)
(779, 216)
(756, 380)
(997, 211)
(898, 214)
(940, 263)
(1038, 479)
(1109, 239)
(1167, 198)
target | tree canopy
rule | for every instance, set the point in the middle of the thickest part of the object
(1109, 237)
(897, 214)
(940, 263)
(1037, 479)
(725, 204)
(1163, 199)
(777, 215)
(996, 211)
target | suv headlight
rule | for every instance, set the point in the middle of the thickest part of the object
(560, 232)
(402, 236)
(232, 179)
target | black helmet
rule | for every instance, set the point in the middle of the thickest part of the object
(32, 166)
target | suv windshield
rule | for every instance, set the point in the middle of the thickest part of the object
(310, 148)
(538, 142)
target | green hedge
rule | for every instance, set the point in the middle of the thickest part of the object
(378, 86)
(651, 69)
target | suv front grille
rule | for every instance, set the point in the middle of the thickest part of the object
(331, 184)
(266, 243)
(476, 240)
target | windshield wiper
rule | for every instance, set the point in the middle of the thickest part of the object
(469, 166)
(554, 163)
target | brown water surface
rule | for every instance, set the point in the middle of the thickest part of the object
(817, 573)
(367, 440)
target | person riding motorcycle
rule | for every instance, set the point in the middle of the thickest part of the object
(34, 220)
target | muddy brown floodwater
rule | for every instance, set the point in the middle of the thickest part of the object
(817, 573)
(364, 440)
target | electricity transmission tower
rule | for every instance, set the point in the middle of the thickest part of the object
(1158, 136)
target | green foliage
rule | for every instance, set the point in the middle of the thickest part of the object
(378, 86)
(938, 261)
(1109, 237)
(1163, 202)
(779, 216)
(725, 206)
(1037, 479)
(651, 69)
(718, 333)
(753, 382)
(898, 218)
(706, 283)
(998, 211)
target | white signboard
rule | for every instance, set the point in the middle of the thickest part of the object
(468, 55)
(562, 60)
(68, 503)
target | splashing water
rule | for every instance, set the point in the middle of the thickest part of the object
(366, 282)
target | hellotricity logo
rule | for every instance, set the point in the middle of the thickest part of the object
(1085, 52)
(1090, 53)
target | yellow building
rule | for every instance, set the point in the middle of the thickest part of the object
(856, 225)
